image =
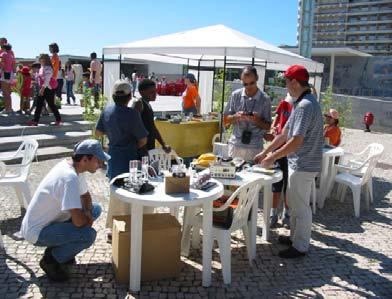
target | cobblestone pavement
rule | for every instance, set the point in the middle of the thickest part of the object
(348, 257)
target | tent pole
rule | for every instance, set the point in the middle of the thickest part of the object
(253, 61)
(213, 85)
(187, 67)
(223, 98)
(119, 75)
(103, 70)
(198, 71)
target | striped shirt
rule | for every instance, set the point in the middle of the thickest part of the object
(307, 121)
(260, 103)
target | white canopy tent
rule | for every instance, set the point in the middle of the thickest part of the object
(207, 47)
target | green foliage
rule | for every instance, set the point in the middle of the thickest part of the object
(279, 80)
(344, 107)
(218, 90)
(92, 109)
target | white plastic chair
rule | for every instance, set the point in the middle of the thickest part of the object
(356, 174)
(163, 158)
(246, 195)
(16, 175)
(164, 162)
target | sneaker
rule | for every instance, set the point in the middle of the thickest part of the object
(285, 240)
(19, 112)
(32, 123)
(291, 253)
(274, 221)
(286, 221)
(58, 123)
(52, 268)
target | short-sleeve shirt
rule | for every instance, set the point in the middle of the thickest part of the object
(147, 115)
(56, 195)
(123, 126)
(7, 61)
(189, 97)
(55, 64)
(307, 121)
(334, 134)
(96, 66)
(260, 103)
(282, 112)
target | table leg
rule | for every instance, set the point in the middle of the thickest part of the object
(253, 228)
(136, 247)
(267, 204)
(207, 243)
(323, 179)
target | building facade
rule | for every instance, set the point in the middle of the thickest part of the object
(364, 25)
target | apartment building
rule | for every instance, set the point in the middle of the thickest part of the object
(364, 25)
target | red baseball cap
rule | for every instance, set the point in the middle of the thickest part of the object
(297, 72)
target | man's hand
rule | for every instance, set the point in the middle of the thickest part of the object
(41, 91)
(259, 157)
(166, 148)
(90, 218)
(267, 162)
(269, 137)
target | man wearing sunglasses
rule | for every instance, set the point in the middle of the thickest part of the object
(249, 111)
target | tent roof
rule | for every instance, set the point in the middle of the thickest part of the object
(210, 43)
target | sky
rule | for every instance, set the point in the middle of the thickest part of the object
(81, 27)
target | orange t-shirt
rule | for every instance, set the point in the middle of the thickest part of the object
(334, 135)
(189, 97)
(55, 64)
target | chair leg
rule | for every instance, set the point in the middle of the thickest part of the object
(23, 193)
(245, 231)
(344, 191)
(370, 189)
(224, 243)
(356, 199)
(1, 241)
(196, 237)
(313, 194)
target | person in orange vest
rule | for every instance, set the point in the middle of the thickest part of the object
(331, 129)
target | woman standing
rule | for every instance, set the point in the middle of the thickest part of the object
(7, 64)
(47, 87)
(190, 97)
(70, 80)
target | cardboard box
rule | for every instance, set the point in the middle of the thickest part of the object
(161, 247)
(176, 185)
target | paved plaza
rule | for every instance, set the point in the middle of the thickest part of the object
(348, 257)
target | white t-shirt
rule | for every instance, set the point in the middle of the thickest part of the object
(58, 192)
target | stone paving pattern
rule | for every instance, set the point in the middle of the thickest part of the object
(348, 257)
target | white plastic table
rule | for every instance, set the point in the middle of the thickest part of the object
(267, 181)
(328, 173)
(158, 198)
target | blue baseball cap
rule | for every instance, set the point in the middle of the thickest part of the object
(191, 77)
(91, 147)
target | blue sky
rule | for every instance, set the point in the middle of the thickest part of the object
(81, 26)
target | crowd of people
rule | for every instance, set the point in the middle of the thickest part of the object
(41, 83)
(63, 206)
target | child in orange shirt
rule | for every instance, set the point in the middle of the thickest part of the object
(331, 129)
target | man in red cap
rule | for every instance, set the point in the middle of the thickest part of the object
(303, 141)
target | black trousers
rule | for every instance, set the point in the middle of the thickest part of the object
(59, 89)
(48, 96)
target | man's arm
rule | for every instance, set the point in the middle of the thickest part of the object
(259, 121)
(79, 218)
(278, 141)
(98, 133)
(141, 142)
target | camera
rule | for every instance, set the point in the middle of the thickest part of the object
(246, 137)
(249, 113)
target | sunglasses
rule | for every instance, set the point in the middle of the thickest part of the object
(249, 84)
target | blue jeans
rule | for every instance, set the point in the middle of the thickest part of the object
(186, 111)
(66, 240)
(70, 93)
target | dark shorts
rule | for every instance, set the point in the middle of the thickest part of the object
(282, 184)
